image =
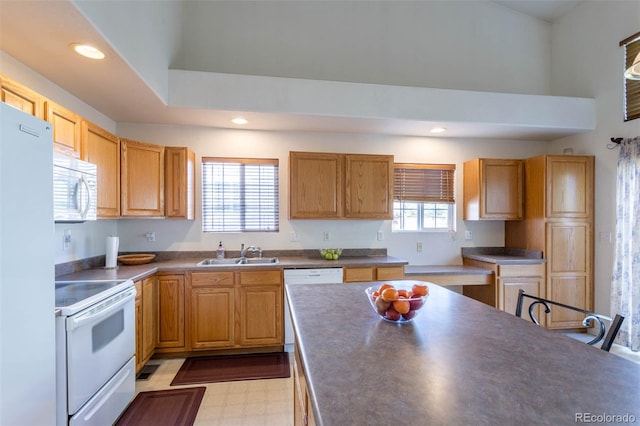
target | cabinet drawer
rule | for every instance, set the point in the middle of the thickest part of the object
(522, 270)
(358, 274)
(390, 273)
(261, 277)
(204, 279)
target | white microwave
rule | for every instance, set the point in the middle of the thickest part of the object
(75, 197)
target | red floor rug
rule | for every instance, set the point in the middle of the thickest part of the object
(175, 407)
(227, 368)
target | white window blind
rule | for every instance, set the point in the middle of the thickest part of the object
(424, 182)
(631, 87)
(240, 195)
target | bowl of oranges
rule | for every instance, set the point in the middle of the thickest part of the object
(398, 303)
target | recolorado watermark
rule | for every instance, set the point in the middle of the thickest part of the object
(604, 418)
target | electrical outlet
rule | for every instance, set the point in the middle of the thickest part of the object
(326, 236)
(66, 239)
(468, 235)
(380, 236)
(293, 237)
(151, 237)
(419, 246)
(605, 237)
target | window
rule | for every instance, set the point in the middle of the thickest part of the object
(240, 195)
(631, 87)
(423, 197)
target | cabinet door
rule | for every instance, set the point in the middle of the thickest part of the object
(354, 275)
(171, 311)
(20, 97)
(142, 179)
(508, 289)
(369, 186)
(315, 185)
(212, 317)
(493, 189)
(149, 312)
(66, 129)
(138, 307)
(179, 183)
(103, 149)
(570, 186)
(261, 315)
(384, 273)
(260, 308)
(569, 270)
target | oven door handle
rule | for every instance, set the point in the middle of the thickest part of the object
(101, 311)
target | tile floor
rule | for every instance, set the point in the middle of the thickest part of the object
(241, 403)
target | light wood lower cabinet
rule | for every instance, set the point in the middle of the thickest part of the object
(373, 273)
(171, 324)
(260, 308)
(302, 409)
(241, 309)
(211, 310)
(146, 311)
(509, 279)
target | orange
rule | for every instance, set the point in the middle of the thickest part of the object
(420, 290)
(402, 306)
(383, 287)
(389, 294)
(403, 293)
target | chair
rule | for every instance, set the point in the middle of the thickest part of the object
(614, 327)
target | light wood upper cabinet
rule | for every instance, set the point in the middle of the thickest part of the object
(103, 149)
(369, 186)
(67, 129)
(493, 189)
(340, 186)
(316, 188)
(569, 186)
(142, 179)
(179, 183)
(21, 97)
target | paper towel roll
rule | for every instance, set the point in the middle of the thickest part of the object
(112, 252)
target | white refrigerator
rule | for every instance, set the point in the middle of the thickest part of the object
(27, 274)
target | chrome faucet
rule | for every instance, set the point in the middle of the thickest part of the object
(252, 249)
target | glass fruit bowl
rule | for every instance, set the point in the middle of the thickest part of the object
(398, 303)
(330, 253)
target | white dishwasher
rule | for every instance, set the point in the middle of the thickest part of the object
(302, 277)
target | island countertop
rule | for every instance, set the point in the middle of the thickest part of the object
(460, 362)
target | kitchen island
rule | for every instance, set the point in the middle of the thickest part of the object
(460, 362)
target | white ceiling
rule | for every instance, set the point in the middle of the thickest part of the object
(37, 33)
(546, 10)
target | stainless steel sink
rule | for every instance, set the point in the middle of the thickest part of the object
(259, 260)
(239, 261)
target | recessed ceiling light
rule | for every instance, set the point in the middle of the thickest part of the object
(88, 51)
(239, 120)
(438, 130)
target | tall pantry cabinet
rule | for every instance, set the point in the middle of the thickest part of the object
(558, 221)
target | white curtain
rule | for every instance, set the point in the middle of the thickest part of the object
(625, 286)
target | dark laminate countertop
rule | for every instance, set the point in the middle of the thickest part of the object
(444, 270)
(502, 255)
(136, 272)
(459, 363)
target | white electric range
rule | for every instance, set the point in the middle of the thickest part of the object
(95, 350)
